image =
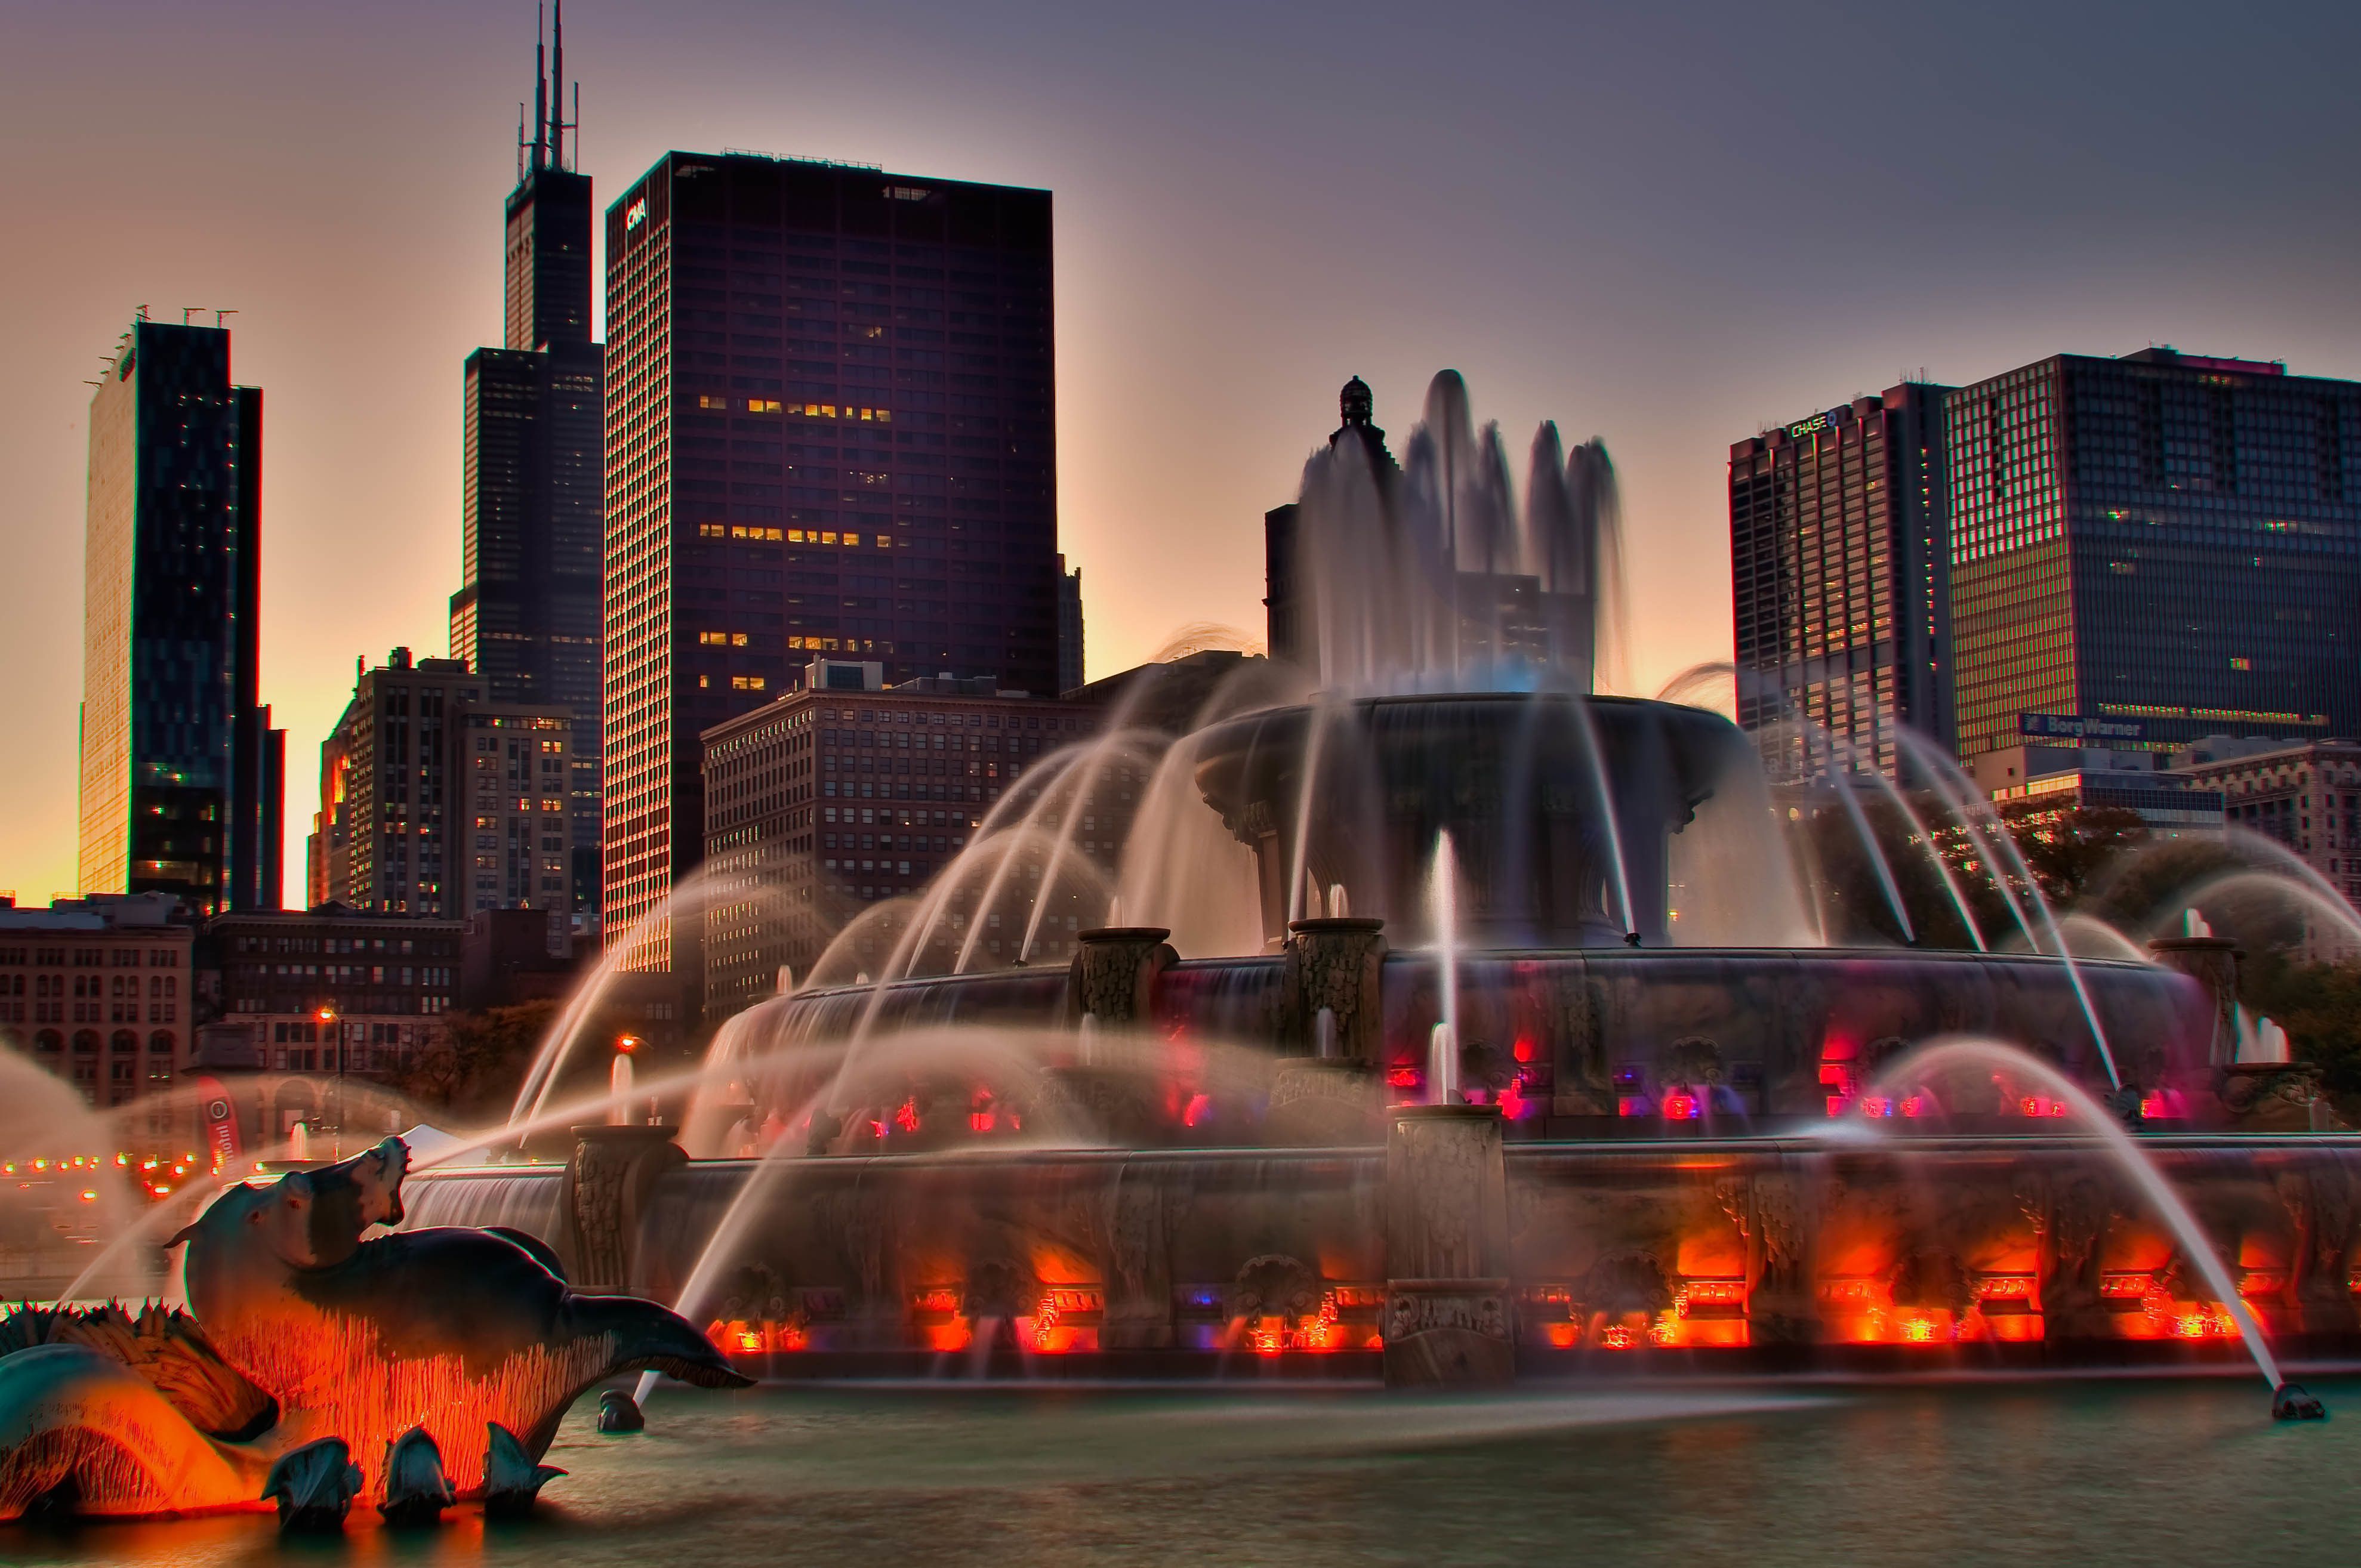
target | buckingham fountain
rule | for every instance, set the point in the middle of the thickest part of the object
(1444, 1020)
(1438, 1021)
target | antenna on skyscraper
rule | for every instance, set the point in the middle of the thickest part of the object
(558, 124)
(540, 92)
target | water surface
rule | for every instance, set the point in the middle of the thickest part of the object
(2134, 1471)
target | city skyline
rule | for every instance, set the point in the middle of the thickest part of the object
(1237, 236)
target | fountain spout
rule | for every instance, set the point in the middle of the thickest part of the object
(1442, 1066)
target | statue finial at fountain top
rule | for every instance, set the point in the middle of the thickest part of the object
(1357, 403)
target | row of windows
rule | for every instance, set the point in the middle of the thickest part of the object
(91, 958)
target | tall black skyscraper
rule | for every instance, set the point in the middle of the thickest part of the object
(833, 434)
(1840, 544)
(181, 771)
(527, 616)
(2165, 542)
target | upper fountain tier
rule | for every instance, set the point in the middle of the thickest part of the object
(1579, 821)
(1430, 576)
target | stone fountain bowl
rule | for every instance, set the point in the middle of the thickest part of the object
(1546, 797)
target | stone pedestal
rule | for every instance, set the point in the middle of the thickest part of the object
(610, 1181)
(1448, 1312)
(1112, 976)
(1334, 963)
(1333, 1103)
(2211, 962)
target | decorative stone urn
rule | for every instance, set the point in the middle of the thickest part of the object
(1112, 976)
(609, 1184)
(1334, 964)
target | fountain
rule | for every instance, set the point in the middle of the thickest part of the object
(1554, 1095)
(1445, 1021)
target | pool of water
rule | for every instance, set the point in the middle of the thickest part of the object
(2129, 1470)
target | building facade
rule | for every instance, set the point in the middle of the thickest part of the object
(2162, 538)
(99, 991)
(1840, 564)
(830, 422)
(182, 773)
(327, 991)
(527, 614)
(436, 800)
(844, 793)
(2307, 796)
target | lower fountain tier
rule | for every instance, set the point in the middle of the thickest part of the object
(1578, 1042)
(1923, 1252)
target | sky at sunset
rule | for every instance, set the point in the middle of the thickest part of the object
(1665, 225)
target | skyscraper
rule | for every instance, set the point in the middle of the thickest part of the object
(2161, 541)
(439, 801)
(1839, 548)
(182, 773)
(526, 617)
(832, 432)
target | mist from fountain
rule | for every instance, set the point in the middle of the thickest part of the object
(1711, 683)
(1595, 757)
(1128, 749)
(1433, 578)
(1938, 765)
(1913, 1069)
(688, 899)
(1827, 747)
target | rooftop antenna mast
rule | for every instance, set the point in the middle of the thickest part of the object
(558, 123)
(539, 143)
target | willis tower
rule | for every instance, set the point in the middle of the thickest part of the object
(527, 617)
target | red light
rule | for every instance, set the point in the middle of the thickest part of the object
(1915, 1106)
(1680, 1106)
(1877, 1105)
(1403, 1077)
(1195, 1111)
(980, 1121)
(1524, 1048)
(907, 1118)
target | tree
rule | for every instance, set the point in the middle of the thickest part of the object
(2066, 847)
(482, 1060)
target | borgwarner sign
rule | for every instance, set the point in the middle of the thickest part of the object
(2074, 727)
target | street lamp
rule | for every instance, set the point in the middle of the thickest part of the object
(619, 1081)
(327, 1017)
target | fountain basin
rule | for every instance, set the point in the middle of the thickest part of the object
(1736, 1254)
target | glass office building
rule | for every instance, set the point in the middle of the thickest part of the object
(830, 422)
(2166, 543)
(182, 773)
(1838, 534)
